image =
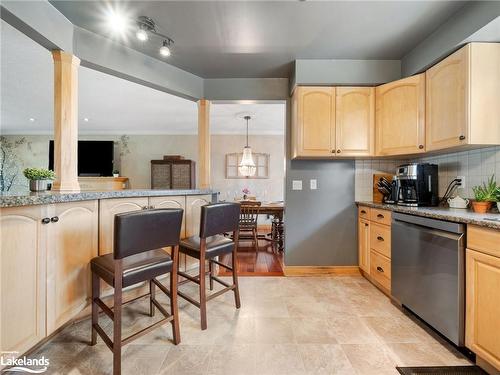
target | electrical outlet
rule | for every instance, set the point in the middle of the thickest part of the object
(313, 184)
(462, 182)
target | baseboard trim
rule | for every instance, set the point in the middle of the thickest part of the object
(320, 270)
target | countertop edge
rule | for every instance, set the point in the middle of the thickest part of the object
(443, 213)
(53, 197)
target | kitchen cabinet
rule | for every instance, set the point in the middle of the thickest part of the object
(483, 293)
(22, 277)
(313, 122)
(355, 121)
(171, 202)
(364, 245)
(463, 92)
(107, 211)
(400, 117)
(72, 243)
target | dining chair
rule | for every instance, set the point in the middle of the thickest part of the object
(137, 257)
(248, 219)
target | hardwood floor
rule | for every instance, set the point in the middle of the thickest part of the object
(264, 262)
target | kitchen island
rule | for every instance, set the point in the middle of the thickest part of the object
(47, 241)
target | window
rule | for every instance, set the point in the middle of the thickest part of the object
(261, 162)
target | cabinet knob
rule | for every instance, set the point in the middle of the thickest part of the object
(151, 207)
(380, 238)
(421, 146)
(462, 137)
(363, 211)
(333, 151)
(45, 220)
(366, 224)
(380, 269)
(54, 219)
(380, 216)
(338, 151)
(144, 207)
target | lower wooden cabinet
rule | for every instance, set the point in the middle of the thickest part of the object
(72, 243)
(482, 325)
(364, 245)
(22, 277)
(380, 269)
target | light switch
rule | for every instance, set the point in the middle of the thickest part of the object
(296, 184)
(313, 184)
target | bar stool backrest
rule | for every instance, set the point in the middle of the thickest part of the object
(218, 218)
(140, 231)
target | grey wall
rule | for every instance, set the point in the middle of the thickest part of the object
(246, 88)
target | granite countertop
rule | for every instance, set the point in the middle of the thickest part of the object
(466, 216)
(30, 198)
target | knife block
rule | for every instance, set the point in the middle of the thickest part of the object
(377, 195)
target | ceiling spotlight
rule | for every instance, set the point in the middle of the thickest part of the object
(117, 22)
(142, 35)
(165, 49)
(32, 119)
(86, 119)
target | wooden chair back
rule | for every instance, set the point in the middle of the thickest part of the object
(249, 213)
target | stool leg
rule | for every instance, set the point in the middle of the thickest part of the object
(210, 272)
(203, 295)
(117, 321)
(96, 291)
(151, 297)
(174, 309)
(235, 272)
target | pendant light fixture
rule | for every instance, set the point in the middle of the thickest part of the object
(247, 166)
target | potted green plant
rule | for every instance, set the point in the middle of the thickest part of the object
(38, 178)
(116, 173)
(484, 195)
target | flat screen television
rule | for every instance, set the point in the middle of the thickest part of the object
(95, 158)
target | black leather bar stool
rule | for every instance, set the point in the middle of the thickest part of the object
(137, 257)
(216, 219)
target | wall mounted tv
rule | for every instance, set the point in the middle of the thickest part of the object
(95, 158)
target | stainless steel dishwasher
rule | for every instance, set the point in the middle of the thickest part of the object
(428, 271)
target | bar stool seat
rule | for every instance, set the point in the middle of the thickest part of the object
(216, 245)
(136, 268)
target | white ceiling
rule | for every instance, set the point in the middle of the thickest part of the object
(112, 105)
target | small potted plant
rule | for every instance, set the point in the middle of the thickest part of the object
(116, 173)
(245, 192)
(38, 178)
(484, 196)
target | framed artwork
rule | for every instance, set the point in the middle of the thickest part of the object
(261, 162)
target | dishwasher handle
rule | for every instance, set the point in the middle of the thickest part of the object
(442, 225)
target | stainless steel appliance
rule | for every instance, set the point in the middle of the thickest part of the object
(427, 267)
(418, 184)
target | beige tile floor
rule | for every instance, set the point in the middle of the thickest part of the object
(330, 325)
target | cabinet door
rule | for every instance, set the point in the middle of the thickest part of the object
(72, 243)
(355, 121)
(108, 208)
(399, 119)
(446, 101)
(482, 323)
(364, 245)
(193, 212)
(314, 122)
(22, 277)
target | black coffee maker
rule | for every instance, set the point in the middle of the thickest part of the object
(418, 184)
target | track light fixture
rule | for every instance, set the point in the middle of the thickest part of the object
(146, 27)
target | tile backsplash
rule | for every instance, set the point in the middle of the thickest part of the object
(475, 165)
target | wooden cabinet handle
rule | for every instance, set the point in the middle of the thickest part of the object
(380, 238)
(54, 219)
(420, 146)
(462, 137)
(144, 207)
(333, 151)
(366, 224)
(45, 220)
(338, 151)
(380, 269)
(363, 211)
(380, 216)
(151, 207)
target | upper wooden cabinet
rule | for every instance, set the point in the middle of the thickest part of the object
(333, 122)
(463, 96)
(313, 122)
(400, 117)
(355, 121)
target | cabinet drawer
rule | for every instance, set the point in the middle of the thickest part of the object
(483, 239)
(380, 269)
(380, 216)
(380, 239)
(364, 212)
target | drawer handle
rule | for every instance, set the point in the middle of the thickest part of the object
(45, 220)
(420, 147)
(380, 216)
(144, 207)
(380, 269)
(462, 137)
(339, 151)
(366, 224)
(380, 238)
(54, 219)
(363, 211)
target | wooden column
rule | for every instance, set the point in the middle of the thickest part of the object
(65, 121)
(203, 143)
